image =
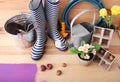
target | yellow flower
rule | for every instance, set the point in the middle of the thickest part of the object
(86, 56)
(92, 46)
(80, 48)
(86, 46)
(85, 50)
(103, 12)
(94, 51)
(115, 10)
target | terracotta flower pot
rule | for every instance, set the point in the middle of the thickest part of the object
(86, 61)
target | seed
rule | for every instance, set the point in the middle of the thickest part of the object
(59, 72)
(42, 67)
(111, 58)
(102, 52)
(49, 66)
(64, 65)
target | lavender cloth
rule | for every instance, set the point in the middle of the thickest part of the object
(17, 72)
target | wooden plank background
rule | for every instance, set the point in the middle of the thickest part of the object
(9, 8)
(74, 72)
(14, 7)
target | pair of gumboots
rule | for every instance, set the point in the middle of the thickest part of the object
(41, 14)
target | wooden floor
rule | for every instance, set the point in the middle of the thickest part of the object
(10, 53)
(8, 45)
(74, 72)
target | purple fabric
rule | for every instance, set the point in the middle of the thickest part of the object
(17, 72)
(119, 67)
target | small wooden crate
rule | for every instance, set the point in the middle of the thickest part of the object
(102, 36)
(104, 59)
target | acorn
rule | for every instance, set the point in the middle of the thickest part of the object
(49, 66)
(64, 65)
(59, 72)
(42, 67)
(102, 51)
(111, 58)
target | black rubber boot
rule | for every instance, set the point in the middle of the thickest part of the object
(37, 12)
(51, 10)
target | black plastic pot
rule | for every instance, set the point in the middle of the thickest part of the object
(86, 61)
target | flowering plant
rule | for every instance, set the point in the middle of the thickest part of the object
(109, 16)
(85, 49)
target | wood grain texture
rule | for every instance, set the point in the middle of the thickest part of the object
(14, 7)
(74, 72)
(9, 45)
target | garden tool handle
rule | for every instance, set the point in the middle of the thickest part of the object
(79, 14)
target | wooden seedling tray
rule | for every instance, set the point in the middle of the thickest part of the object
(104, 59)
(102, 36)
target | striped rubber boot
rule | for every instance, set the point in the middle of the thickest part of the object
(51, 9)
(37, 13)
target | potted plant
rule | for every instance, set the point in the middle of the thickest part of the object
(85, 52)
(109, 15)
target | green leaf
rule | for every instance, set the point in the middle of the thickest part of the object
(82, 43)
(97, 46)
(90, 49)
(82, 55)
(73, 50)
